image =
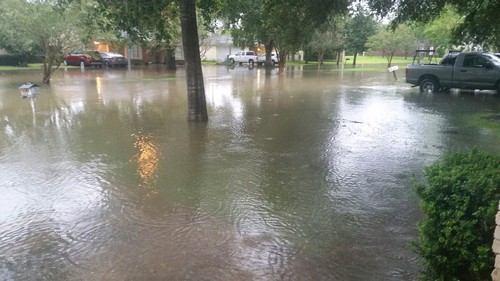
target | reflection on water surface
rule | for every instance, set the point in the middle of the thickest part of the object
(303, 176)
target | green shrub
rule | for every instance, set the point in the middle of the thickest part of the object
(18, 60)
(459, 201)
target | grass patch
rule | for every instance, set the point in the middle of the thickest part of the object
(485, 120)
(360, 69)
(377, 60)
(360, 60)
(363, 63)
(209, 62)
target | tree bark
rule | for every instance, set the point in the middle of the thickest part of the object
(48, 67)
(269, 50)
(170, 59)
(197, 107)
(281, 64)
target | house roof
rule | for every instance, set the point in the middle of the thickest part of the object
(220, 40)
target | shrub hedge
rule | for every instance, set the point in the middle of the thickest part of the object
(459, 200)
(18, 60)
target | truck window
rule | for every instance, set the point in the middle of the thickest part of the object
(474, 61)
(449, 60)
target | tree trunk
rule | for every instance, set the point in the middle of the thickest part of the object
(48, 68)
(197, 107)
(46, 73)
(321, 55)
(282, 61)
(354, 58)
(170, 59)
(389, 58)
(269, 50)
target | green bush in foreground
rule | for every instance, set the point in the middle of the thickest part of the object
(460, 201)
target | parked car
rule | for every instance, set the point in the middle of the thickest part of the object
(113, 59)
(243, 57)
(83, 59)
(471, 70)
(262, 59)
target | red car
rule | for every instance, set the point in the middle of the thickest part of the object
(83, 59)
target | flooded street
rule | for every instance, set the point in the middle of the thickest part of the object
(303, 176)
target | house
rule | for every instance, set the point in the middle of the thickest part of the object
(214, 48)
(217, 48)
(135, 53)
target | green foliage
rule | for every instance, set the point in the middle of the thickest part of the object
(459, 201)
(153, 22)
(440, 30)
(361, 26)
(42, 28)
(480, 23)
(327, 39)
(390, 41)
(286, 25)
(18, 60)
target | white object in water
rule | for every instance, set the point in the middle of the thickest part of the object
(28, 90)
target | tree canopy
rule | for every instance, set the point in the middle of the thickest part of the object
(43, 28)
(480, 17)
(389, 41)
(286, 25)
(329, 36)
(361, 26)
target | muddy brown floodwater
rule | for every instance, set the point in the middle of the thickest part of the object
(303, 176)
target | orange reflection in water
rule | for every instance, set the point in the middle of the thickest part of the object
(147, 161)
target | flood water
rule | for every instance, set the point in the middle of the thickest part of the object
(300, 176)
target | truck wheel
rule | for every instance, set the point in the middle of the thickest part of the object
(231, 61)
(429, 85)
(250, 62)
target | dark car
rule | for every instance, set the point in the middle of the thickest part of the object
(113, 59)
(83, 59)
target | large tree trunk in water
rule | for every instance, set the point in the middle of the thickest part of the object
(282, 61)
(269, 50)
(321, 55)
(197, 107)
(49, 69)
(46, 75)
(354, 58)
(170, 59)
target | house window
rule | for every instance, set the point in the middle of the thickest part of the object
(135, 52)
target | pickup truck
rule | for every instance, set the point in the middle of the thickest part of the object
(243, 57)
(262, 59)
(471, 70)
